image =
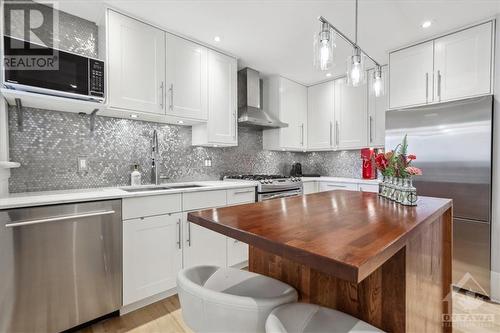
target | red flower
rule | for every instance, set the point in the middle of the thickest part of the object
(414, 171)
(381, 161)
(412, 157)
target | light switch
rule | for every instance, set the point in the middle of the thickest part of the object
(83, 166)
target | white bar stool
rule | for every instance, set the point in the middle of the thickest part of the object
(215, 299)
(309, 318)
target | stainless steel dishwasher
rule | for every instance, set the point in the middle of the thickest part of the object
(60, 265)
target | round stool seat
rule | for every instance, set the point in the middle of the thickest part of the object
(309, 318)
(215, 299)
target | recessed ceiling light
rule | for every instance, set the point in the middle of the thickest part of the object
(426, 24)
(217, 39)
(328, 74)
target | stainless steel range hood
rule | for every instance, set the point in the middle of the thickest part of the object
(250, 111)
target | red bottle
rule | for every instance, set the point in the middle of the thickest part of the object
(368, 158)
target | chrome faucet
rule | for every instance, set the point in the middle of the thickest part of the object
(154, 158)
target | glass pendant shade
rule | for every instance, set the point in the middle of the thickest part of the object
(356, 75)
(378, 82)
(323, 48)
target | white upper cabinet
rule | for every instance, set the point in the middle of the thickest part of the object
(410, 74)
(452, 67)
(351, 114)
(463, 63)
(221, 128)
(320, 116)
(377, 106)
(288, 103)
(186, 79)
(136, 65)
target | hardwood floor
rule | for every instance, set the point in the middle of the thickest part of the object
(165, 316)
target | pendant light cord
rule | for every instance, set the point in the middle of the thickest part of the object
(356, 23)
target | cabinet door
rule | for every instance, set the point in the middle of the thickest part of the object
(203, 246)
(463, 63)
(152, 255)
(309, 187)
(411, 75)
(293, 111)
(237, 252)
(187, 82)
(136, 65)
(320, 111)
(351, 116)
(377, 106)
(222, 122)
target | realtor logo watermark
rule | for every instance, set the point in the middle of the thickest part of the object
(470, 306)
(33, 28)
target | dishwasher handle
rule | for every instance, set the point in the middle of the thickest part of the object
(59, 218)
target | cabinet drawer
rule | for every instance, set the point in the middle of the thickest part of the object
(241, 195)
(368, 188)
(203, 199)
(151, 205)
(332, 186)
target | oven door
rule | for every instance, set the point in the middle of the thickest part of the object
(280, 194)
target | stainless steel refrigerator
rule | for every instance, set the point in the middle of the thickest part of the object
(453, 144)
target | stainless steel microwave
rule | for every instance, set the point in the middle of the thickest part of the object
(35, 68)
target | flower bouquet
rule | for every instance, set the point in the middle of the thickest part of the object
(397, 172)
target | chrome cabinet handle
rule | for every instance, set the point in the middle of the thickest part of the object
(189, 234)
(162, 87)
(179, 234)
(331, 134)
(171, 106)
(426, 87)
(337, 133)
(439, 85)
(235, 124)
(302, 134)
(370, 128)
(59, 218)
(333, 185)
(243, 192)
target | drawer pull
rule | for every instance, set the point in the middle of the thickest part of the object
(243, 192)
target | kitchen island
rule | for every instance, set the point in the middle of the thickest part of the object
(384, 263)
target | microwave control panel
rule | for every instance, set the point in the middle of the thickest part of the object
(96, 78)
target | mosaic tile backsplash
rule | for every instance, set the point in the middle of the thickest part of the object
(50, 143)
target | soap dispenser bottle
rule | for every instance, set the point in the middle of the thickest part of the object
(135, 176)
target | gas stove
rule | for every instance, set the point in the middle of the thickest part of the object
(273, 186)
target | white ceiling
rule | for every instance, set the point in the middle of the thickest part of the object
(275, 36)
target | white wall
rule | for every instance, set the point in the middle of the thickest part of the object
(495, 229)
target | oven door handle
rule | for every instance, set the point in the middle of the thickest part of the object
(282, 195)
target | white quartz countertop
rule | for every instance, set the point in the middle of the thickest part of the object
(30, 199)
(341, 180)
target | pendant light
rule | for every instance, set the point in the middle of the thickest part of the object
(356, 73)
(355, 64)
(378, 82)
(323, 48)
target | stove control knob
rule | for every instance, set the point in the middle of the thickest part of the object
(262, 181)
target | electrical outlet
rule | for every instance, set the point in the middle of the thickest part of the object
(208, 162)
(83, 166)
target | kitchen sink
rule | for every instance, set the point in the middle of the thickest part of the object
(159, 188)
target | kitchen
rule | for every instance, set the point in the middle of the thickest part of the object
(200, 106)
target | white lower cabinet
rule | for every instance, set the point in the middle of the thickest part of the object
(309, 187)
(152, 255)
(202, 246)
(158, 240)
